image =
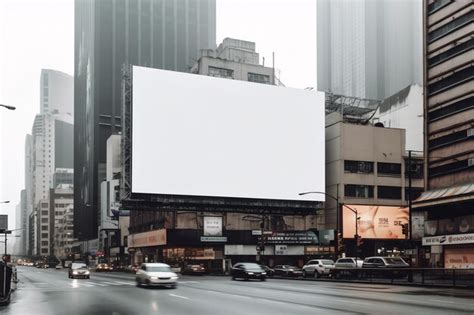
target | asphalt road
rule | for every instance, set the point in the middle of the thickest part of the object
(51, 292)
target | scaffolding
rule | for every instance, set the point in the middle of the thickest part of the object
(352, 109)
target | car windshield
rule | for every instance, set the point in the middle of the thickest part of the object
(78, 266)
(158, 269)
(254, 267)
(327, 262)
(395, 261)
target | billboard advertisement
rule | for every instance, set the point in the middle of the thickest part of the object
(464, 224)
(196, 135)
(376, 222)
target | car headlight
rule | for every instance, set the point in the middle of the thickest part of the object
(154, 278)
(74, 272)
(290, 270)
(174, 277)
(87, 272)
(264, 273)
(250, 273)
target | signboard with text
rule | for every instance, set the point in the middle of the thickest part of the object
(212, 226)
(152, 238)
(291, 237)
(448, 239)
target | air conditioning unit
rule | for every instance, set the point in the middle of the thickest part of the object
(470, 132)
(470, 162)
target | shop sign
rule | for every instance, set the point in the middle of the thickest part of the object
(152, 238)
(448, 239)
(299, 237)
(281, 250)
(221, 239)
(256, 232)
(316, 250)
(213, 226)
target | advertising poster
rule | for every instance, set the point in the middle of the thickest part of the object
(212, 226)
(376, 222)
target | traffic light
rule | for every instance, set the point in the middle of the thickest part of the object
(405, 229)
(340, 243)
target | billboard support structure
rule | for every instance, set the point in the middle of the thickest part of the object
(126, 139)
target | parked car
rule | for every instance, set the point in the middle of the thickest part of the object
(384, 262)
(194, 270)
(270, 272)
(287, 271)
(78, 270)
(318, 268)
(59, 266)
(248, 271)
(103, 268)
(349, 262)
(158, 274)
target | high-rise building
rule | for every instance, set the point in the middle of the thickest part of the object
(56, 92)
(363, 49)
(448, 202)
(108, 35)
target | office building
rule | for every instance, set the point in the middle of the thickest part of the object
(108, 35)
(447, 205)
(364, 51)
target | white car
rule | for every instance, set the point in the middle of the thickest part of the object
(156, 274)
(349, 262)
(318, 267)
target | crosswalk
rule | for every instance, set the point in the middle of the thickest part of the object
(74, 284)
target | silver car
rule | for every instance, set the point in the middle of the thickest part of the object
(156, 274)
(349, 262)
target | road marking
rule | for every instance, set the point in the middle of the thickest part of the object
(39, 283)
(110, 283)
(125, 283)
(178, 296)
(97, 283)
(352, 302)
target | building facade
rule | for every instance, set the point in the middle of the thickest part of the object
(108, 35)
(448, 203)
(234, 59)
(367, 167)
(62, 217)
(56, 92)
(363, 50)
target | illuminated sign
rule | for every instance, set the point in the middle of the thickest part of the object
(376, 222)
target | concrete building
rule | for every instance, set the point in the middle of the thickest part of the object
(62, 218)
(366, 165)
(448, 203)
(108, 35)
(56, 92)
(49, 147)
(234, 59)
(363, 49)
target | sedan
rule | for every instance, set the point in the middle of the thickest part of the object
(78, 270)
(248, 271)
(156, 274)
(194, 270)
(103, 267)
(287, 271)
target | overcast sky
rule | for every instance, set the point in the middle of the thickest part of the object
(39, 34)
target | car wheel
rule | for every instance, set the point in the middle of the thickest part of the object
(263, 279)
(304, 274)
(174, 286)
(316, 274)
(233, 278)
(88, 277)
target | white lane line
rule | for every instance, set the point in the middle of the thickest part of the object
(97, 283)
(450, 302)
(178, 296)
(39, 283)
(125, 283)
(352, 302)
(109, 283)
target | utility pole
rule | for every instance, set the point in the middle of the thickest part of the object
(409, 194)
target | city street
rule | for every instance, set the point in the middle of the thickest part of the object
(49, 291)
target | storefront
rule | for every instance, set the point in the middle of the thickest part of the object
(455, 251)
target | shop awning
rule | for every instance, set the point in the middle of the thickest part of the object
(445, 196)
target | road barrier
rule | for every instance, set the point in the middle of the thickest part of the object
(461, 278)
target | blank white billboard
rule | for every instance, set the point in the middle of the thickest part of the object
(202, 136)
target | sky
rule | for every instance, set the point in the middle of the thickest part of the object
(39, 34)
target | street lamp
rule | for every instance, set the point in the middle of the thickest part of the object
(337, 213)
(8, 107)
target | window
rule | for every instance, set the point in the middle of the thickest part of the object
(416, 169)
(452, 109)
(44, 228)
(44, 235)
(451, 26)
(449, 168)
(449, 139)
(359, 191)
(358, 167)
(389, 168)
(437, 4)
(456, 50)
(44, 243)
(457, 78)
(44, 220)
(259, 78)
(44, 205)
(220, 72)
(44, 212)
(389, 192)
(44, 250)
